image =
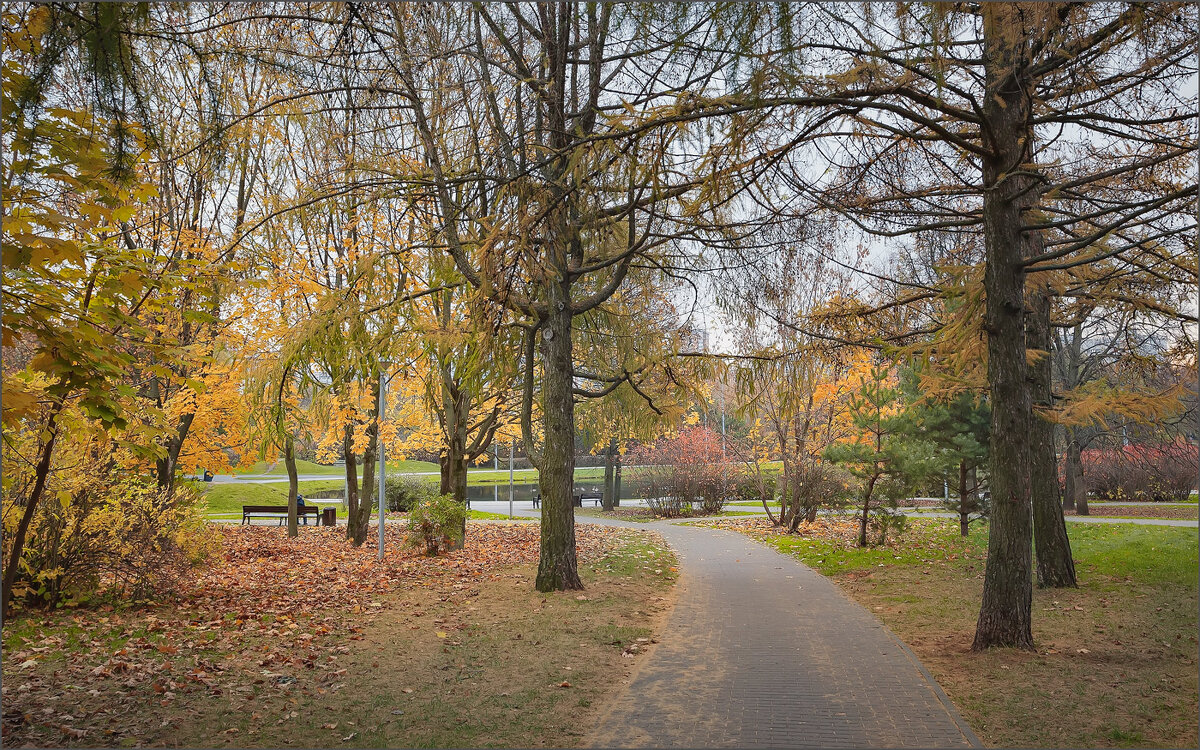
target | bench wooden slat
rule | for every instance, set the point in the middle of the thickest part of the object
(279, 510)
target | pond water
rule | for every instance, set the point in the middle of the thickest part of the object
(522, 491)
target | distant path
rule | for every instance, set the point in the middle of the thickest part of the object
(761, 651)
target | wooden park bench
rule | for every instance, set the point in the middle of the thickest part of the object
(280, 512)
(582, 495)
(577, 498)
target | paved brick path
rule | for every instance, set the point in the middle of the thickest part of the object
(761, 651)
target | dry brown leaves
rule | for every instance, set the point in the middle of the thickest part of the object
(272, 616)
(833, 529)
(1177, 512)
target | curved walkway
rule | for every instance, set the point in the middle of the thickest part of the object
(761, 651)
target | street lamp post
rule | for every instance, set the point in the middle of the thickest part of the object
(511, 443)
(382, 457)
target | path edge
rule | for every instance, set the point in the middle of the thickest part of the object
(663, 620)
(948, 704)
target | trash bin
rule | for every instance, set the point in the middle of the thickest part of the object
(329, 517)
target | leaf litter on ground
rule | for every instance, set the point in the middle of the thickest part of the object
(272, 615)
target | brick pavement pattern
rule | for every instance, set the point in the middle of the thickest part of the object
(761, 651)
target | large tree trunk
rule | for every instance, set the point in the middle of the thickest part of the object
(289, 461)
(1005, 611)
(609, 456)
(456, 413)
(1055, 568)
(1076, 482)
(40, 474)
(351, 479)
(557, 567)
(369, 490)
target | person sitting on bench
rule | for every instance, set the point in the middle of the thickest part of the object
(300, 505)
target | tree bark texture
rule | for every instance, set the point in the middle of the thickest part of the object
(289, 462)
(609, 454)
(1055, 568)
(351, 478)
(1074, 481)
(369, 491)
(1005, 611)
(165, 466)
(866, 511)
(557, 567)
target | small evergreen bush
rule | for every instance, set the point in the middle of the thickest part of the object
(435, 521)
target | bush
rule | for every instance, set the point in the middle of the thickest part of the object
(1163, 472)
(403, 492)
(755, 487)
(152, 541)
(125, 538)
(818, 484)
(435, 522)
(686, 470)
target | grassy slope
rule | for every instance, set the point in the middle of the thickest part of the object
(1116, 659)
(229, 498)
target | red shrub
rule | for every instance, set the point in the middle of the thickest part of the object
(683, 470)
(1158, 472)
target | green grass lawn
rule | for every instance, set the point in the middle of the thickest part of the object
(228, 499)
(491, 476)
(1116, 659)
(308, 467)
(479, 515)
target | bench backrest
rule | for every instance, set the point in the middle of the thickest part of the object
(302, 510)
